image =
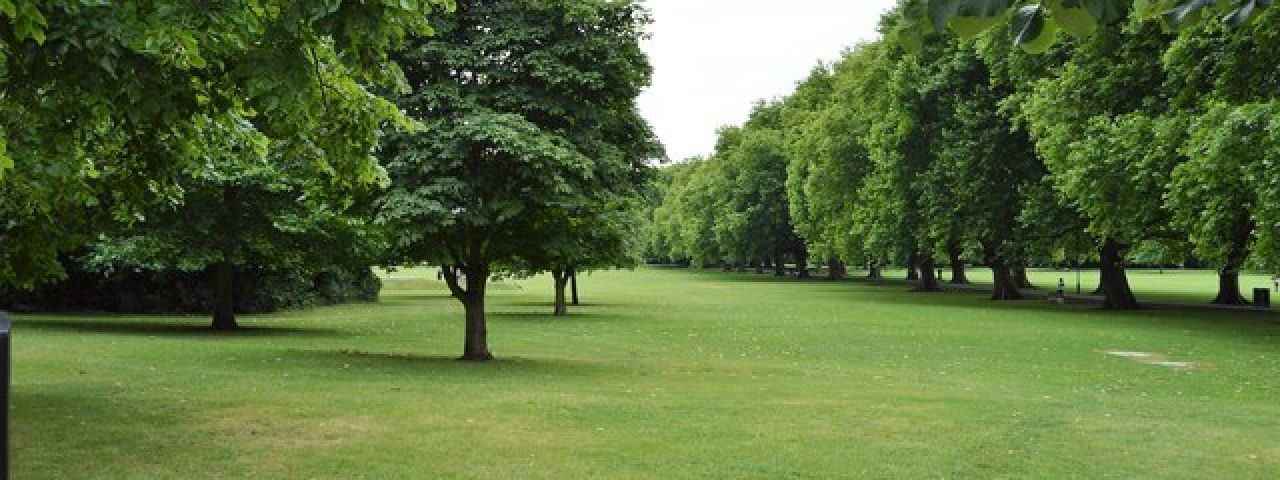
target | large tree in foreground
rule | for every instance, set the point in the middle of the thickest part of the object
(530, 115)
(104, 104)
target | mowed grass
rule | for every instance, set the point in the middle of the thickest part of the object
(661, 374)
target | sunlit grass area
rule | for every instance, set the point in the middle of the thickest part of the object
(662, 373)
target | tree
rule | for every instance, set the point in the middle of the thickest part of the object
(904, 145)
(105, 104)
(984, 164)
(1097, 126)
(1222, 86)
(243, 212)
(759, 191)
(589, 237)
(827, 121)
(530, 114)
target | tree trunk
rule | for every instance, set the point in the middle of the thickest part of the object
(957, 264)
(928, 277)
(1020, 277)
(573, 284)
(1115, 284)
(1229, 288)
(224, 297)
(802, 262)
(476, 347)
(1229, 276)
(835, 269)
(475, 344)
(561, 278)
(1005, 286)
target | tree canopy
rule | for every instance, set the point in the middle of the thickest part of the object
(1128, 141)
(531, 128)
(105, 105)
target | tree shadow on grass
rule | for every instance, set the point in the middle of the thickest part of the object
(547, 316)
(1250, 326)
(749, 277)
(122, 326)
(414, 299)
(75, 418)
(361, 362)
(571, 306)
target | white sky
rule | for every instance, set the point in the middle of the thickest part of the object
(713, 58)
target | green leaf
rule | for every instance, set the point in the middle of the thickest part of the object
(1188, 13)
(1075, 21)
(1245, 12)
(1031, 30)
(969, 27)
(1105, 11)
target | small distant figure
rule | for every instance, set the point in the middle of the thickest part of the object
(1061, 296)
(1276, 280)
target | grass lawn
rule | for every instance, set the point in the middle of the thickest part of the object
(663, 374)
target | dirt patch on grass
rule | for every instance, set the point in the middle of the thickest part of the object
(284, 429)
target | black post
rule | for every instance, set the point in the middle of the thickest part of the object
(4, 396)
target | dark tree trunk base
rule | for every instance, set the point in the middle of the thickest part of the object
(928, 278)
(1229, 289)
(957, 264)
(1006, 289)
(226, 323)
(1115, 284)
(561, 279)
(224, 307)
(481, 357)
(1021, 279)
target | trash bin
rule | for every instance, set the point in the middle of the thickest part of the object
(1262, 297)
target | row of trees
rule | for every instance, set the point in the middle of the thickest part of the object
(232, 143)
(1131, 140)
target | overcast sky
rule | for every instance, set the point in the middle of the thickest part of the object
(713, 58)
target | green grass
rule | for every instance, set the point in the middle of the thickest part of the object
(663, 374)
